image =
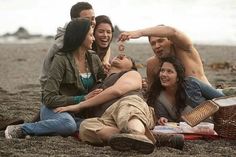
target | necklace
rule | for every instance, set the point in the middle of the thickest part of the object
(83, 68)
(87, 79)
(86, 66)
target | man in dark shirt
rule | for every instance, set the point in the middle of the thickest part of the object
(124, 118)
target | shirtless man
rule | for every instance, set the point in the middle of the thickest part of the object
(166, 41)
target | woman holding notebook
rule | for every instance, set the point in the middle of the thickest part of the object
(172, 94)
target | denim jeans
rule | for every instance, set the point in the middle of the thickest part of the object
(52, 123)
(198, 91)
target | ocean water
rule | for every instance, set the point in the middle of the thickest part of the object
(204, 21)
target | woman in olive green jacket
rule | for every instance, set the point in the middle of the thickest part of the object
(74, 71)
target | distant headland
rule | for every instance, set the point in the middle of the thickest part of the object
(22, 35)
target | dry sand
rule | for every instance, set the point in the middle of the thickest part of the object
(20, 66)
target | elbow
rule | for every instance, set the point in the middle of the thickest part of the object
(48, 101)
(118, 93)
(173, 32)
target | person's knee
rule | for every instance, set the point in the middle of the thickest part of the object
(85, 134)
(229, 91)
(68, 126)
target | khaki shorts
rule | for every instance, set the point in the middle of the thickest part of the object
(118, 115)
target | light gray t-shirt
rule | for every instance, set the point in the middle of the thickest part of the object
(56, 46)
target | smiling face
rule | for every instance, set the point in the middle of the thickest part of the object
(168, 75)
(103, 35)
(160, 46)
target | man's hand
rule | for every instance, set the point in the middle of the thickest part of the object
(125, 36)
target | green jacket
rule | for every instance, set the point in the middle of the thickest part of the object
(64, 83)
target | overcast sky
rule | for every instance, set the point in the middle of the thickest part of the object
(205, 21)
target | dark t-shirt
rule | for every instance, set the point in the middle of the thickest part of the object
(97, 111)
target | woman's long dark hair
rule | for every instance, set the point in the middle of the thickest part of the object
(156, 87)
(76, 32)
(102, 19)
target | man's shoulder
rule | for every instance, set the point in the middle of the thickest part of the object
(59, 56)
(126, 73)
(60, 32)
(132, 73)
(152, 60)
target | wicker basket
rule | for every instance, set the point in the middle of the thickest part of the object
(225, 118)
(200, 113)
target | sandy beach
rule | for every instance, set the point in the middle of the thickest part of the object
(20, 67)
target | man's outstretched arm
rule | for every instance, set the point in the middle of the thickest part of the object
(130, 81)
(178, 38)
